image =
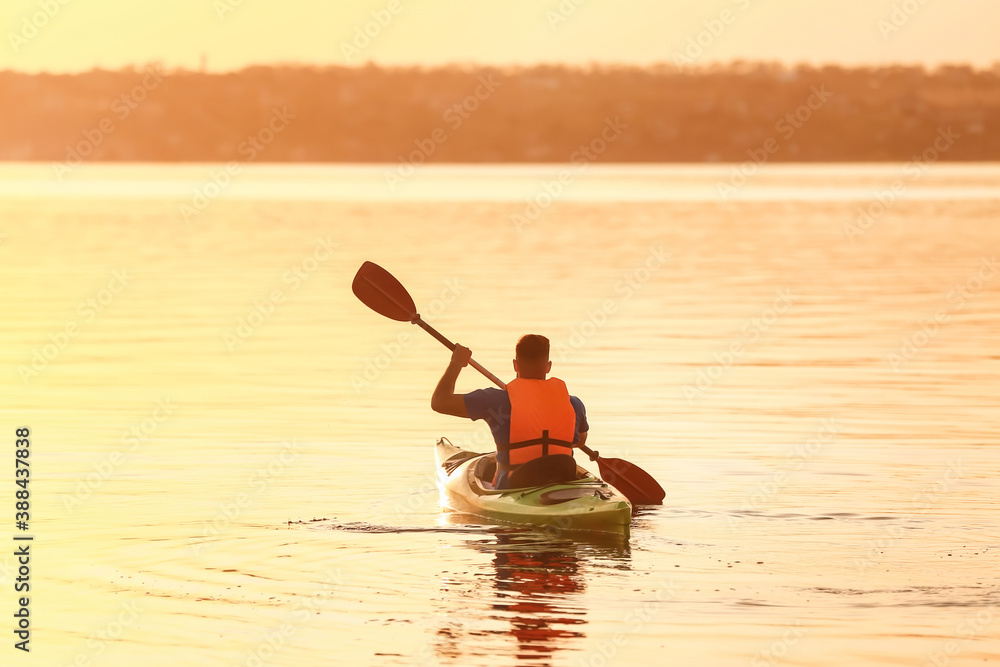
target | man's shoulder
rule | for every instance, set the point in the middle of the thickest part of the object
(488, 393)
(488, 402)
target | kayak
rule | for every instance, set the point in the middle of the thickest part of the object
(582, 504)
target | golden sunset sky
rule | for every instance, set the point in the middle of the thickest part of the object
(73, 35)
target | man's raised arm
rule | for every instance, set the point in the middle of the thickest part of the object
(444, 399)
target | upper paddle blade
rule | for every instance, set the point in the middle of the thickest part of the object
(637, 484)
(380, 291)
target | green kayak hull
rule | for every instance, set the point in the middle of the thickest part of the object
(584, 504)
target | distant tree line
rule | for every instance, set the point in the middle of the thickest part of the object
(537, 114)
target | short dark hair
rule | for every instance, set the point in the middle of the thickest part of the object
(532, 348)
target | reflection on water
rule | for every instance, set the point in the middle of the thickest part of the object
(536, 584)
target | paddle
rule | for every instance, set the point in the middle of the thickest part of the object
(379, 290)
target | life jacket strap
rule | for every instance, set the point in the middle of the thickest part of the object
(559, 447)
(544, 441)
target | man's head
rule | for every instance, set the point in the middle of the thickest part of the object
(531, 357)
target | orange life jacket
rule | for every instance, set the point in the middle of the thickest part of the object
(542, 420)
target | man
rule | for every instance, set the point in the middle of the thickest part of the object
(532, 419)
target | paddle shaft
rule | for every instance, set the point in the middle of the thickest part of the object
(587, 450)
(451, 346)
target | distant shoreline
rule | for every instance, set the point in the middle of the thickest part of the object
(745, 112)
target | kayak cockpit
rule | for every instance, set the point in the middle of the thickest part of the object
(480, 475)
(557, 469)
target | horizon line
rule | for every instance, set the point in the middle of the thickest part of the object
(665, 65)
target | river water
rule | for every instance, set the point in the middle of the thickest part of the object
(232, 458)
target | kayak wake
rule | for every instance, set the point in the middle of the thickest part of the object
(364, 527)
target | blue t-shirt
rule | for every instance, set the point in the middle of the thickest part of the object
(493, 405)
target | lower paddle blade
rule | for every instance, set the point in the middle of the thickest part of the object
(637, 484)
(379, 290)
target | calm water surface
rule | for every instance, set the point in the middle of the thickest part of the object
(232, 457)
